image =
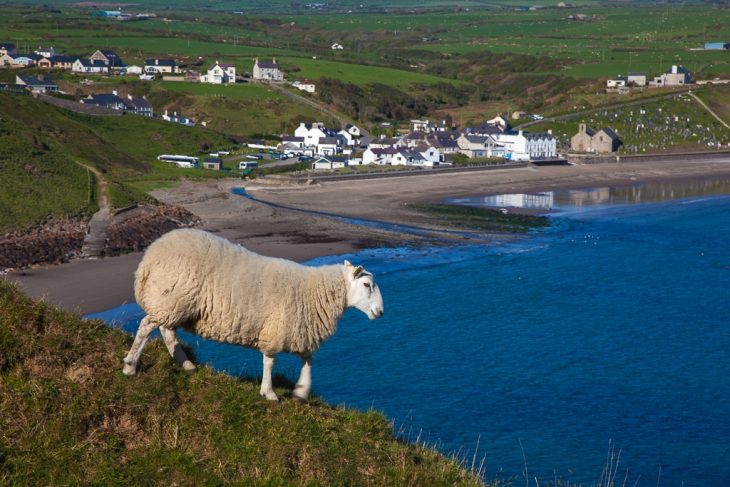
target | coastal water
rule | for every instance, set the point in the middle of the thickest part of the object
(610, 327)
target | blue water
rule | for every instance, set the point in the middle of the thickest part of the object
(612, 326)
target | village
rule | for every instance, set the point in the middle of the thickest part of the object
(420, 144)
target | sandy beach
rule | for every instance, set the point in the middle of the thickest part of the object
(95, 285)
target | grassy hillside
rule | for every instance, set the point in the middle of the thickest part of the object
(42, 149)
(69, 416)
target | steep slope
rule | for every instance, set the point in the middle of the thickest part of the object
(69, 416)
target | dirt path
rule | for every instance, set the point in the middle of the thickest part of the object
(99, 223)
(710, 111)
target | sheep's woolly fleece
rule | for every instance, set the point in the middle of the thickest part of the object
(224, 292)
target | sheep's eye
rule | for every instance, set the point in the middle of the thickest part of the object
(366, 284)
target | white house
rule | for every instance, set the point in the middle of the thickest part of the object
(134, 69)
(347, 138)
(353, 129)
(616, 82)
(267, 70)
(523, 146)
(220, 73)
(45, 51)
(383, 142)
(89, 66)
(305, 85)
(160, 66)
(479, 146)
(6, 60)
(311, 132)
(175, 118)
(23, 61)
(379, 156)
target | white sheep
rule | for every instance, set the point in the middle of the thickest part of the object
(224, 292)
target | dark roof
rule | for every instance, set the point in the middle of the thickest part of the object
(137, 104)
(268, 65)
(160, 62)
(610, 132)
(216, 160)
(92, 63)
(62, 58)
(7, 46)
(384, 151)
(291, 138)
(487, 128)
(443, 141)
(108, 53)
(103, 99)
(416, 136)
(590, 131)
(328, 140)
(39, 80)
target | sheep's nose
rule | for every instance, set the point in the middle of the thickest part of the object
(379, 312)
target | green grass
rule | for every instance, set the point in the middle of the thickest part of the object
(360, 74)
(479, 219)
(69, 417)
(42, 148)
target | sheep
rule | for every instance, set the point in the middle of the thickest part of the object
(207, 285)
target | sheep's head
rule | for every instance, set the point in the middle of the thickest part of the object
(363, 293)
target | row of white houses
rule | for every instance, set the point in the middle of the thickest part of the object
(427, 148)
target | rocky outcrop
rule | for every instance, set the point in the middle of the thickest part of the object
(60, 241)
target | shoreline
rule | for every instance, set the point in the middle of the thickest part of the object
(88, 286)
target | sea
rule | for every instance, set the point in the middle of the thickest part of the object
(599, 344)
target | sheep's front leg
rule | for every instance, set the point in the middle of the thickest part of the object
(143, 332)
(304, 384)
(267, 389)
(176, 351)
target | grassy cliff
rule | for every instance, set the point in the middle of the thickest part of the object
(43, 151)
(68, 416)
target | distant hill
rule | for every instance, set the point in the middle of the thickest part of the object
(42, 149)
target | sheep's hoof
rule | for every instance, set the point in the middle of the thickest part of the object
(129, 369)
(300, 393)
(271, 395)
(189, 366)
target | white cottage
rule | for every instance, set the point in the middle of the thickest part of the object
(267, 70)
(220, 73)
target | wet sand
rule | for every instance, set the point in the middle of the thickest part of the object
(96, 285)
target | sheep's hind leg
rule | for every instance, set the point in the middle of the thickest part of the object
(176, 351)
(267, 389)
(304, 384)
(132, 359)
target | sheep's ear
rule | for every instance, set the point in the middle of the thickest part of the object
(357, 271)
(347, 263)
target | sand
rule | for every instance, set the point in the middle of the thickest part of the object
(96, 285)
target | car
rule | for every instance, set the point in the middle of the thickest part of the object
(255, 157)
(305, 158)
(535, 116)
